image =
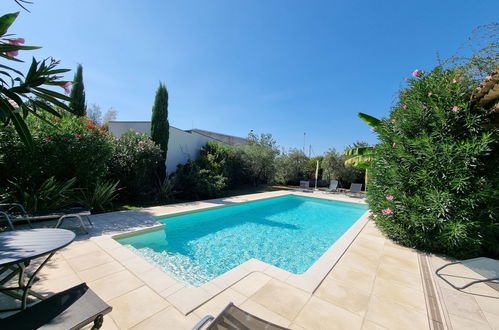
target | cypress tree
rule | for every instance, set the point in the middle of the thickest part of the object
(160, 127)
(77, 103)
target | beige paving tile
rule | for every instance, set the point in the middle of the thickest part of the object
(464, 305)
(251, 283)
(187, 299)
(318, 314)
(216, 304)
(211, 288)
(232, 276)
(137, 265)
(260, 311)
(391, 315)
(89, 260)
(401, 276)
(488, 303)
(122, 254)
(359, 261)
(295, 326)
(462, 323)
(157, 279)
(277, 273)
(369, 325)
(94, 273)
(115, 285)
(344, 295)
(168, 318)
(171, 290)
(360, 280)
(107, 325)
(493, 319)
(399, 294)
(106, 242)
(77, 249)
(281, 298)
(55, 268)
(136, 306)
(49, 286)
(407, 264)
(255, 265)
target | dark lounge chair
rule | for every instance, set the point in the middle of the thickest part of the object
(70, 309)
(234, 318)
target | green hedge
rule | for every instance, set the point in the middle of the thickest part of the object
(434, 180)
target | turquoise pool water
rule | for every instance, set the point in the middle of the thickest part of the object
(290, 232)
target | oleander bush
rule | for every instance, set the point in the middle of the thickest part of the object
(135, 163)
(434, 181)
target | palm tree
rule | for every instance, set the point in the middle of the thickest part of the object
(362, 156)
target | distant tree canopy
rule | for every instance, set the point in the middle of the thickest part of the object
(77, 104)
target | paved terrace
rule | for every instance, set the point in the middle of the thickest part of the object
(376, 284)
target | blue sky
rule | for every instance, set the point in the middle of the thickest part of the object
(282, 67)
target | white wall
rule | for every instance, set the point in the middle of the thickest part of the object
(182, 145)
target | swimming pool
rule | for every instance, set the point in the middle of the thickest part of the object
(290, 232)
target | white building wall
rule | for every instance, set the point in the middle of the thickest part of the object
(182, 145)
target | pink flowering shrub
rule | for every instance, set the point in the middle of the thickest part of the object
(434, 180)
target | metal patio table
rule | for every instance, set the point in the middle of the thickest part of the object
(17, 250)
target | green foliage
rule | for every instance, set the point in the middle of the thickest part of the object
(258, 157)
(334, 168)
(223, 160)
(134, 164)
(77, 104)
(75, 148)
(23, 94)
(160, 127)
(50, 195)
(292, 167)
(193, 182)
(438, 158)
(99, 198)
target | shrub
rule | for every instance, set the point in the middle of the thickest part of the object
(292, 167)
(334, 168)
(434, 180)
(223, 160)
(193, 182)
(99, 198)
(72, 148)
(134, 163)
(258, 158)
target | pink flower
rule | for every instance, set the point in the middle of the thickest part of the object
(430, 93)
(16, 42)
(392, 120)
(48, 139)
(90, 126)
(457, 79)
(417, 73)
(404, 106)
(373, 129)
(66, 86)
(78, 135)
(389, 198)
(424, 107)
(387, 211)
(141, 143)
(102, 128)
(455, 108)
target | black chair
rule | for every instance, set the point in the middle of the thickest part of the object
(71, 309)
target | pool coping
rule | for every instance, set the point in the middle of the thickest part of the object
(186, 299)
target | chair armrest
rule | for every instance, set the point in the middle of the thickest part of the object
(204, 320)
(23, 210)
